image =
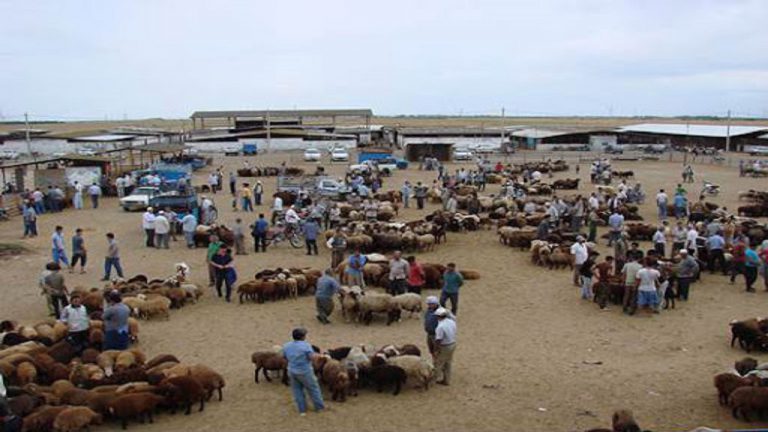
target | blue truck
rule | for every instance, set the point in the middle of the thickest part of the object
(383, 159)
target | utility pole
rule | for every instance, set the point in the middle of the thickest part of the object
(269, 134)
(502, 130)
(26, 136)
(728, 133)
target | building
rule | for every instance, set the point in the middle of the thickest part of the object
(741, 138)
(561, 139)
(465, 137)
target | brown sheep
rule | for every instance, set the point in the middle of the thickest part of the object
(134, 405)
(726, 383)
(269, 361)
(24, 404)
(26, 373)
(100, 401)
(624, 421)
(60, 387)
(470, 274)
(75, 418)
(75, 396)
(160, 358)
(745, 401)
(124, 360)
(42, 419)
(210, 379)
(336, 377)
(183, 391)
(745, 365)
(133, 329)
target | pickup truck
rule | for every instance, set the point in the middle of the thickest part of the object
(180, 204)
(314, 185)
(139, 198)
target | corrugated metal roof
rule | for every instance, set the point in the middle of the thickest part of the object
(449, 131)
(104, 138)
(715, 131)
(285, 113)
(763, 136)
(537, 133)
(300, 133)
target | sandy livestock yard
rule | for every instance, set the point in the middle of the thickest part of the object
(531, 355)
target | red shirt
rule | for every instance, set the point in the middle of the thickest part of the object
(416, 275)
(738, 253)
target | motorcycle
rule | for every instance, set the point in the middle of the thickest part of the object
(710, 189)
(282, 233)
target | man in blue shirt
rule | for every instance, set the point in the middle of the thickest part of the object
(715, 245)
(299, 354)
(452, 281)
(616, 222)
(259, 233)
(430, 322)
(57, 246)
(327, 287)
(311, 228)
(751, 265)
(355, 269)
(681, 205)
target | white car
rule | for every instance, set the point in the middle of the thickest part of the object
(485, 148)
(139, 198)
(462, 154)
(339, 155)
(231, 150)
(85, 151)
(312, 155)
(9, 154)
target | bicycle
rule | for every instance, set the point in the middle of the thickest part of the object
(282, 233)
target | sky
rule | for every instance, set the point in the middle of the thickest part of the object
(114, 59)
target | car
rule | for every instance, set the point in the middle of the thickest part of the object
(9, 154)
(485, 148)
(139, 198)
(232, 150)
(462, 155)
(86, 151)
(339, 155)
(614, 150)
(390, 164)
(758, 151)
(312, 155)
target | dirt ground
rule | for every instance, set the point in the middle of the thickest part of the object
(527, 344)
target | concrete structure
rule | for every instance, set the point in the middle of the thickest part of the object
(694, 135)
(560, 139)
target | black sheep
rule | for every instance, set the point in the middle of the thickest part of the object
(384, 375)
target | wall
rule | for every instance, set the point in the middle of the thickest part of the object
(277, 144)
(458, 142)
(52, 146)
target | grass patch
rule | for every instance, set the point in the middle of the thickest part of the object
(12, 249)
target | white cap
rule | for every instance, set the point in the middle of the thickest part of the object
(441, 312)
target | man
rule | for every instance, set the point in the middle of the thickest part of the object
(715, 245)
(604, 272)
(115, 316)
(311, 230)
(647, 281)
(299, 354)
(405, 191)
(238, 231)
(57, 198)
(258, 192)
(679, 235)
(738, 260)
(120, 186)
(616, 222)
(577, 214)
(398, 274)
(371, 210)
(629, 271)
(94, 191)
(78, 251)
(30, 220)
(338, 244)
(452, 281)
(542, 231)
(148, 224)
(57, 246)
(162, 230)
(245, 196)
(213, 248)
(355, 269)
(661, 204)
(681, 206)
(327, 287)
(580, 254)
(659, 241)
(751, 264)
(292, 218)
(592, 219)
(189, 226)
(635, 253)
(445, 345)
(420, 193)
(232, 183)
(451, 205)
(687, 270)
(213, 182)
(112, 259)
(691, 239)
(416, 275)
(75, 316)
(620, 249)
(259, 233)
(77, 199)
(430, 322)
(222, 264)
(55, 289)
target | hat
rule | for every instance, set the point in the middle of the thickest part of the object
(579, 238)
(683, 251)
(149, 208)
(441, 312)
(161, 212)
(432, 300)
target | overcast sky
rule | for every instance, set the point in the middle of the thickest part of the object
(162, 58)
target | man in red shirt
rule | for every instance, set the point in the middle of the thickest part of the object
(416, 276)
(604, 271)
(739, 258)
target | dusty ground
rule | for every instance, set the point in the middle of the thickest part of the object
(525, 339)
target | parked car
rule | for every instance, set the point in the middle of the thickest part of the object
(314, 185)
(339, 155)
(139, 198)
(312, 155)
(614, 150)
(759, 151)
(462, 155)
(9, 154)
(232, 150)
(484, 148)
(85, 151)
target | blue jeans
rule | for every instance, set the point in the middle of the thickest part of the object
(586, 287)
(59, 255)
(39, 207)
(109, 263)
(679, 212)
(247, 204)
(95, 201)
(30, 228)
(306, 381)
(662, 211)
(189, 236)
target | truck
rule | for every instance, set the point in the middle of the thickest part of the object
(180, 204)
(382, 158)
(325, 186)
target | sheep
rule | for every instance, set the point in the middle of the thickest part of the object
(339, 353)
(99, 401)
(134, 405)
(410, 302)
(349, 301)
(124, 360)
(183, 390)
(745, 401)
(24, 404)
(133, 329)
(749, 334)
(210, 379)
(269, 361)
(726, 383)
(75, 396)
(358, 356)
(426, 242)
(470, 274)
(383, 375)
(418, 368)
(42, 419)
(370, 303)
(26, 373)
(335, 375)
(745, 365)
(155, 306)
(75, 418)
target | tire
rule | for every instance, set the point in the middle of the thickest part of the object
(296, 241)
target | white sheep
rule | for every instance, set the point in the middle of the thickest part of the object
(419, 369)
(410, 302)
(370, 303)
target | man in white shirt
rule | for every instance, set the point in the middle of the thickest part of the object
(580, 254)
(445, 345)
(690, 239)
(292, 218)
(594, 203)
(95, 192)
(213, 182)
(647, 281)
(75, 316)
(661, 202)
(148, 224)
(659, 241)
(120, 185)
(77, 200)
(188, 226)
(162, 230)
(277, 208)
